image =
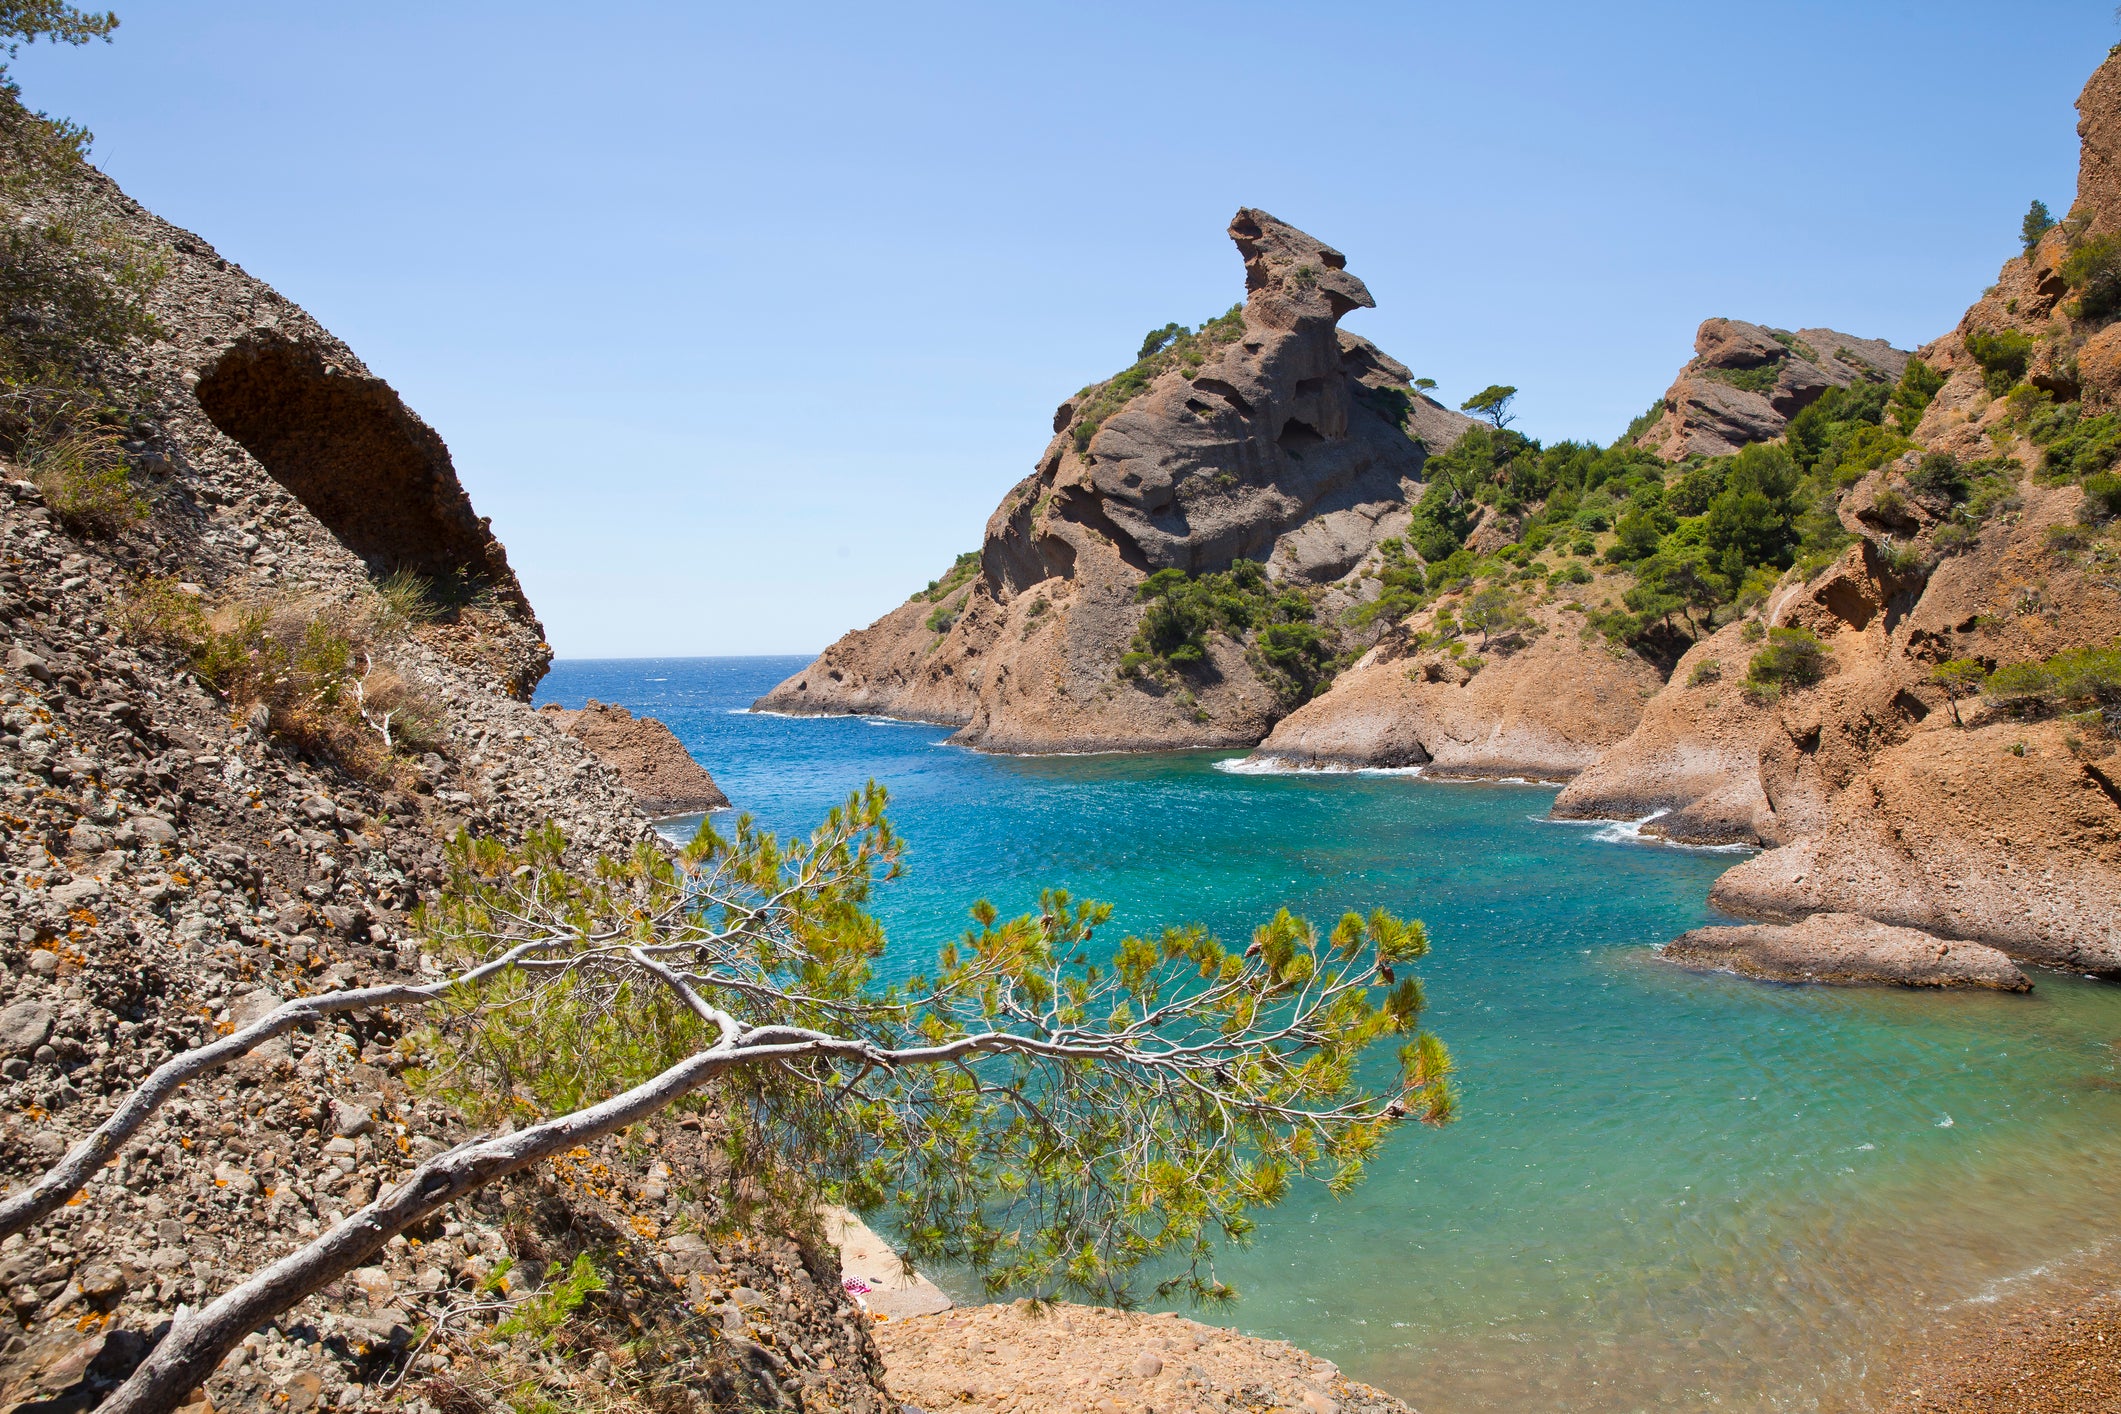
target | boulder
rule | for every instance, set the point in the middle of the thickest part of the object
(647, 755)
(1845, 949)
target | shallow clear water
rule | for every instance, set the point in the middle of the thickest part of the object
(1666, 1191)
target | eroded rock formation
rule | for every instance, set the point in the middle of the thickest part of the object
(1275, 436)
(1746, 381)
(1540, 706)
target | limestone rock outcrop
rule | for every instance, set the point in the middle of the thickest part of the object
(1873, 797)
(1271, 434)
(1541, 707)
(1845, 949)
(649, 758)
(1746, 381)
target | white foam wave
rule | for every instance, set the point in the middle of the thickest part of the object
(1630, 832)
(1282, 766)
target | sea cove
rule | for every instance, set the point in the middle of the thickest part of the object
(1666, 1189)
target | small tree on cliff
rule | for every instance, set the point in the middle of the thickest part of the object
(1491, 611)
(1493, 403)
(1958, 678)
(1054, 1122)
(2037, 223)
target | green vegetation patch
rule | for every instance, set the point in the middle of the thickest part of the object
(1292, 652)
(960, 574)
(2003, 355)
(1747, 380)
(1792, 658)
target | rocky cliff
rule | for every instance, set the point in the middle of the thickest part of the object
(259, 659)
(1540, 704)
(1746, 381)
(1270, 435)
(1989, 544)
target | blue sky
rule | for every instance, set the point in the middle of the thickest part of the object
(739, 320)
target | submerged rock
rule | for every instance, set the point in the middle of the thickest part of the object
(1845, 949)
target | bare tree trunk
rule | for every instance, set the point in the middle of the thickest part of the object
(64, 1179)
(199, 1341)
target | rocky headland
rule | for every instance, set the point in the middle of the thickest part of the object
(1880, 789)
(1269, 435)
(649, 758)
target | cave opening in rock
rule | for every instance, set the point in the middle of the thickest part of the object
(347, 448)
(1298, 436)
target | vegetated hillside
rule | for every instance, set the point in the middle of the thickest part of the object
(1925, 728)
(1542, 595)
(259, 658)
(1179, 569)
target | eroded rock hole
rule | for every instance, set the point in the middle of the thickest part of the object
(1224, 391)
(364, 465)
(1298, 436)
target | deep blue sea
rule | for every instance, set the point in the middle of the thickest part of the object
(1666, 1191)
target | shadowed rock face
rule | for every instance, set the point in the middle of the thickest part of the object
(1281, 438)
(1285, 446)
(375, 474)
(1745, 382)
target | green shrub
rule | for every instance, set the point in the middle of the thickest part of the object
(2093, 270)
(1912, 395)
(2083, 678)
(960, 572)
(1900, 558)
(1183, 610)
(1299, 654)
(1793, 658)
(1706, 671)
(2003, 356)
(2075, 447)
(2102, 496)
(541, 1315)
(314, 664)
(1861, 450)
(2021, 688)
(1939, 474)
(940, 618)
(1750, 380)
(2037, 223)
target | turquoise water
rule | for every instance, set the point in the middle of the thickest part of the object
(1666, 1191)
